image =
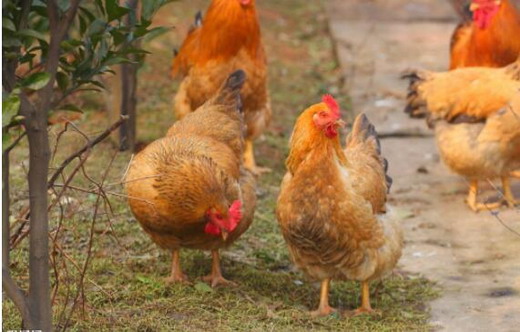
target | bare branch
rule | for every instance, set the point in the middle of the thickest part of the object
(86, 147)
(15, 294)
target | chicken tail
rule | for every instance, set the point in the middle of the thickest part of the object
(415, 103)
(363, 131)
(229, 92)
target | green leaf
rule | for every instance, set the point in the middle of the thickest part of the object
(63, 80)
(32, 34)
(8, 24)
(98, 84)
(116, 60)
(91, 17)
(70, 44)
(36, 81)
(155, 32)
(96, 27)
(69, 107)
(114, 11)
(203, 288)
(10, 107)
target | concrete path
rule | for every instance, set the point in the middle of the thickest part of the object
(473, 257)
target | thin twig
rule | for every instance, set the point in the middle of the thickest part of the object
(86, 147)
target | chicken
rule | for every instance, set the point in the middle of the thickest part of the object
(226, 39)
(489, 38)
(189, 189)
(476, 116)
(332, 203)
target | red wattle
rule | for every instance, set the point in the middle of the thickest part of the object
(212, 229)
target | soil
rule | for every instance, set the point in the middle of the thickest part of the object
(472, 256)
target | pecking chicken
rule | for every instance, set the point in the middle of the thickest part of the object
(189, 189)
(226, 39)
(488, 37)
(332, 203)
(476, 116)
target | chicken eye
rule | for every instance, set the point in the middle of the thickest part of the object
(322, 114)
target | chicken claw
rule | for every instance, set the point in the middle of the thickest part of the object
(365, 308)
(509, 198)
(471, 200)
(176, 273)
(324, 308)
(215, 278)
(249, 160)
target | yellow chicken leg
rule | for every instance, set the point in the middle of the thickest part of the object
(508, 194)
(324, 308)
(365, 300)
(176, 273)
(215, 278)
(249, 160)
(471, 200)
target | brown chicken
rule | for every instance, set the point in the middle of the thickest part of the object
(228, 38)
(476, 116)
(489, 37)
(332, 203)
(189, 189)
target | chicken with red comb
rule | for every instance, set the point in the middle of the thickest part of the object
(332, 203)
(190, 188)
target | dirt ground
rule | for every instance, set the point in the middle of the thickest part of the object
(472, 257)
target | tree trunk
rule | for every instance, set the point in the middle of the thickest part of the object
(127, 137)
(38, 297)
(128, 106)
(5, 209)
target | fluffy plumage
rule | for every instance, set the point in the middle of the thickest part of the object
(488, 38)
(331, 207)
(477, 121)
(189, 189)
(227, 39)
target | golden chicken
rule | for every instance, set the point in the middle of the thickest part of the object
(476, 116)
(228, 38)
(332, 203)
(189, 189)
(488, 37)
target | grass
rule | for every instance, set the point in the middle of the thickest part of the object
(124, 285)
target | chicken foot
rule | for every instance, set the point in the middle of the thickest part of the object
(508, 194)
(365, 300)
(324, 309)
(471, 200)
(176, 272)
(215, 278)
(249, 160)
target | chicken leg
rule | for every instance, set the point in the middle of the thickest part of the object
(176, 273)
(508, 194)
(471, 200)
(215, 278)
(365, 300)
(249, 160)
(324, 309)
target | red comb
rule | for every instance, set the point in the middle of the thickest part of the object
(235, 214)
(332, 104)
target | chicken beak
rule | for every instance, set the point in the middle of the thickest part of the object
(474, 6)
(224, 235)
(340, 123)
